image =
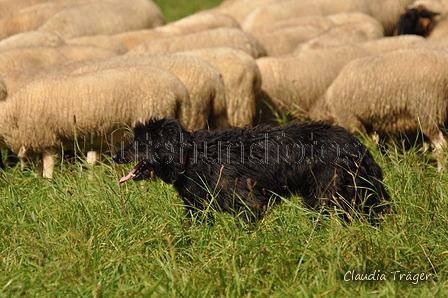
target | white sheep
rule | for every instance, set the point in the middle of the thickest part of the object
(102, 41)
(390, 43)
(354, 17)
(204, 83)
(84, 52)
(3, 90)
(389, 95)
(31, 39)
(285, 41)
(220, 37)
(104, 17)
(439, 43)
(282, 10)
(387, 12)
(292, 83)
(57, 111)
(239, 9)
(200, 21)
(8, 8)
(34, 57)
(16, 79)
(344, 34)
(240, 74)
(132, 38)
(242, 80)
(31, 17)
(314, 20)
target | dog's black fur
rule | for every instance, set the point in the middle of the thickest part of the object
(242, 170)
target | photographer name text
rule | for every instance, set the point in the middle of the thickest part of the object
(378, 275)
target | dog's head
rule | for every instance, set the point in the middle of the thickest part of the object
(159, 146)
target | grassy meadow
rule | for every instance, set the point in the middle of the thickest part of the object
(85, 235)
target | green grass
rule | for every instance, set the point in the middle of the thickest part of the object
(176, 9)
(84, 235)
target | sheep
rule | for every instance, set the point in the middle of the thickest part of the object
(344, 34)
(102, 41)
(388, 95)
(421, 17)
(204, 84)
(80, 52)
(286, 40)
(8, 8)
(16, 79)
(353, 17)
(132, 38)
(242, 80)
(387, 12)
(31, 39)
(390, 43)
(439, 43)
(317, 21)
(35, 57)
(57, 111)
(200, 21)
(220, 37)
(282, 10)
(292, 83)
(3, 90)
(104, 17)
(239, 9)
(32, 17)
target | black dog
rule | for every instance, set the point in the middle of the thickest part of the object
(242, 170)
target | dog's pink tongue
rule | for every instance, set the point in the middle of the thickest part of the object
(128, 176)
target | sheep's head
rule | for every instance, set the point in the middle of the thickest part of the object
(421, 17)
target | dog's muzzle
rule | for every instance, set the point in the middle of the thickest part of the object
(141, 171)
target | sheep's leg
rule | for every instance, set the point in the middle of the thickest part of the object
(439, 144)
(92, 157)
(45, 167)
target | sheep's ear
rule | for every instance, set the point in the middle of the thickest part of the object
(428, 14)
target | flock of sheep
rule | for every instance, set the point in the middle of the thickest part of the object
(76, 73)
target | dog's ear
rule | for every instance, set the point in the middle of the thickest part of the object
(156, 129)
(140, 129)
(169, 127)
